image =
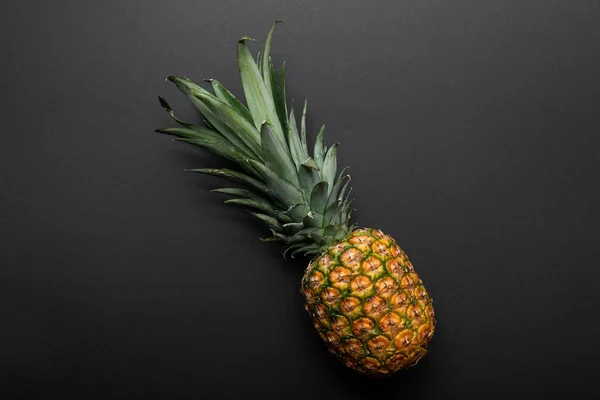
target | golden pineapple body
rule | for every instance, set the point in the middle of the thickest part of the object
(368, 304)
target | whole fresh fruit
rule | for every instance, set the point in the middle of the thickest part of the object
(363, 294)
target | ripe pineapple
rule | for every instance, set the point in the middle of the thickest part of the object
(364, 297)
(368, 303)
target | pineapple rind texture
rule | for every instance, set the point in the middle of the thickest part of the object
(368, 304)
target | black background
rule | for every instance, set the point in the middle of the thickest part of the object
(472, 131)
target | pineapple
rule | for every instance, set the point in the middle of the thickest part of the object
(361, 291)
(368, 304)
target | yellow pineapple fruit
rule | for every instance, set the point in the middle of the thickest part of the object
(368, 303)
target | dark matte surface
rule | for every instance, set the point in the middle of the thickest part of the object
(472, 131)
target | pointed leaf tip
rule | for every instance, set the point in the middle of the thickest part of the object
(248, 38)
(310, 163)
(164, 104)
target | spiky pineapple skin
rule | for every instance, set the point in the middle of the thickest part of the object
(368, 304)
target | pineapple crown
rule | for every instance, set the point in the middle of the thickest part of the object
(298, 196)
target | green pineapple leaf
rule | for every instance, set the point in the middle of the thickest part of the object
(306, 232)
(309, 177)
(292, 228)
(210, 140)
(243, 193)
(303, 130)
(259, 205)
(289, 248)
(245, 130)
(299, 197)
(342, 194)
(307, 249)
(319, 150)
(259, 61)
(236, 177)
(282, 190)
(310, 163)
(334, 195)
(266, 58)
(297, 212)
(294, 141)
(330, 165)
(169, 110)
(189, 133)
(271, 222)
(332, 210)
(278, 90)
(277, 155)
(288, 239)
(314, 219)
(259, 99)
(189, 88)
(317, 235)
(227, 97)
(318, 197)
